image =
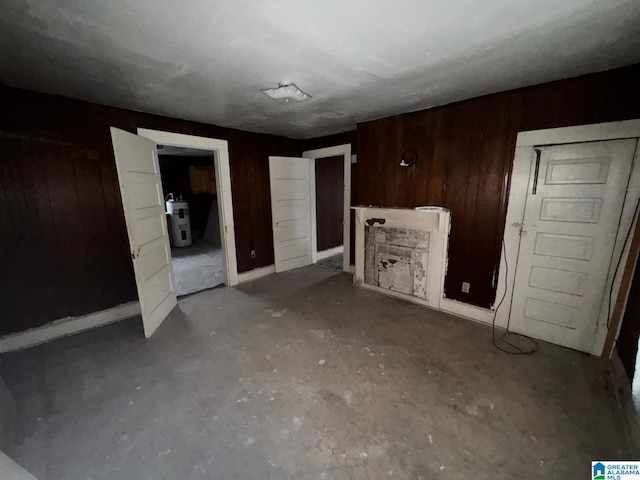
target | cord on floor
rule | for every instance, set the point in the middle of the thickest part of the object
(501, 341)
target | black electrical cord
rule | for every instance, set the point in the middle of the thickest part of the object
(512, 349)
(615, 273)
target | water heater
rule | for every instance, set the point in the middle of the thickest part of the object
(180, 223)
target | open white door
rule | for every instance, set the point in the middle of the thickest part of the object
(290, 180)
(144, 213)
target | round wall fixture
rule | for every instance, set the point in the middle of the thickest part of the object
(408, 158)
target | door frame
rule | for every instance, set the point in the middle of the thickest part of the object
(522, 164)
(220, 148)
(313, 155)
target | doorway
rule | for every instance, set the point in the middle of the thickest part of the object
(563, 242)
(213, 256)
(144, 206)
(193, 219)
(329, 184)
(572, 212)
(331, 206)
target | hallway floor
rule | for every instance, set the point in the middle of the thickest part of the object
(300, 375)
(334, 262)
(197, 267)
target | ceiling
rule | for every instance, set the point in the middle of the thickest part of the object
(207, 60)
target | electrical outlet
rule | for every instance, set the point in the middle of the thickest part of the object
(253, 254)
(466, 286)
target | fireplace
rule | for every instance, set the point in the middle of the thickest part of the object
(403, 252)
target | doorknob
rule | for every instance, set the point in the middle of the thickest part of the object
(520, 226)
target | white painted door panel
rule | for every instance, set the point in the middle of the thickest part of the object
(144, 213)
(290, 180)
(567, 241)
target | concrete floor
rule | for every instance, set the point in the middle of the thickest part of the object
(334, 262)
(302, 376)
(197, 267)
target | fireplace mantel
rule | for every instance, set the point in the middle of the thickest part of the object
(402, 252)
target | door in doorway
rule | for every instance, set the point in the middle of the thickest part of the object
(573, 208)
(290, 179)
(144, 213)
(329, 188)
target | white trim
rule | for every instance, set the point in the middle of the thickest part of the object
(522, 164)
(67, 326)
(345, 151)
(256, 273)
(223, 181)
(579, 133)
(312, 207)
(471, 312)
(434, 220)
(330, 253)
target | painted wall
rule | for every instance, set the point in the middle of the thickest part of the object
(465, 152)
(64, 249)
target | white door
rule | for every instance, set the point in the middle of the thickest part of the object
(144, 213)
(290, 180)
(573, 208)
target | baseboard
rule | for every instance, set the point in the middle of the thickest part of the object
(466, 310)
(256, 273)
(67, 326)
(329, 253)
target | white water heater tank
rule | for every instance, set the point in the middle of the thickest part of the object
(180, 223)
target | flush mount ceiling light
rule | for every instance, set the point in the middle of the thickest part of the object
(287, 92)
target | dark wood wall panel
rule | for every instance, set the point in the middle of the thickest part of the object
(64, 248)
(329, 202)
(627, 344)
(332, 141)
(465, 154)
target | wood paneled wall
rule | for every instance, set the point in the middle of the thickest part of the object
(627, 344)
(332, 141)
(329, 202)
(64, 249)
(465, 154)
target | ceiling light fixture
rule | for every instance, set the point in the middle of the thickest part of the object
(286, 92)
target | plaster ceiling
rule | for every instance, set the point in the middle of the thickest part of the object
(207, 60)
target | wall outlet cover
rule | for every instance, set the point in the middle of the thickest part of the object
(466, 286)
